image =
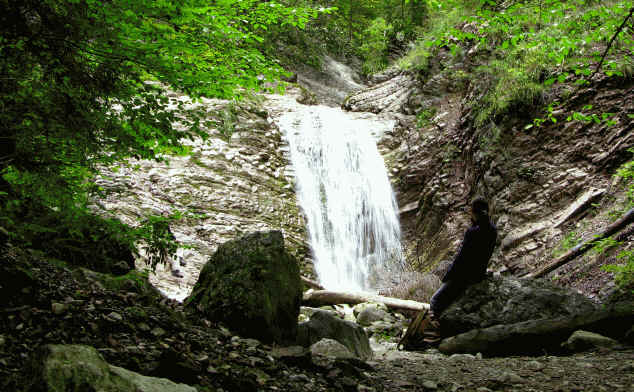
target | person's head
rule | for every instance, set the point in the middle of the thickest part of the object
(479, 209)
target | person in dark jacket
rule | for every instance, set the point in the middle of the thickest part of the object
(469, 266)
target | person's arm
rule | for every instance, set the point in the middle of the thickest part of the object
(459, 260)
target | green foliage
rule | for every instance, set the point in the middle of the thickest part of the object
(342, 30)
(424, 117)
(375, 45)
(623, 272)
(416, 59)
(527, 48)
(84, 84)
(626, 172)
(157, 239)
(569, 241)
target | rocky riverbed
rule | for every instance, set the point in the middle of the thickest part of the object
(134, 327)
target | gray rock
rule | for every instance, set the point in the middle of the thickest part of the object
(535, 365)
(252, 285)
(68, 367)
(388, 96)
(115, 316)
(534, 336)
(371, 314)
(502, 300)
(330, 348)
(359, 308)
(584, 340)
(323, 324)
(58, 308)
(462, 357)
(385, 328)
(510, 378)
(289, 352)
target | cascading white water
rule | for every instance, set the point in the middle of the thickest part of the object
(343, 188)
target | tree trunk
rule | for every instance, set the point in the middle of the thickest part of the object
(585, 246)
(324, 297)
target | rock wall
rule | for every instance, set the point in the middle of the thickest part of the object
(233, 183)
(549, 186)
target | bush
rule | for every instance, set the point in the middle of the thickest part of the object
(375, 45)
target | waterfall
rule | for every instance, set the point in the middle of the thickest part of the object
(343, 188)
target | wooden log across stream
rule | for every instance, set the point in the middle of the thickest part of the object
(325, 297)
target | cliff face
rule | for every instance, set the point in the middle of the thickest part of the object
(549, 186)
(233, 183)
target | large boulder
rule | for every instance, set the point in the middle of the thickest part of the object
(251, 284)
(503, 300)
(534, 337)
(324, 325)
(76, 368)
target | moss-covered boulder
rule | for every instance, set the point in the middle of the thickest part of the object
(252, 285)
(76, 368)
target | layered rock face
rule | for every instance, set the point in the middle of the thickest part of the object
(549, 187)
(235, 182)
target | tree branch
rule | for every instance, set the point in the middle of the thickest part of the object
(618, 31)
(585, 246)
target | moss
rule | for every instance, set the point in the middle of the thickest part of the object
(252, 284)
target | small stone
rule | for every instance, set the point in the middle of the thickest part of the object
(58, 308)
(158, 332)
(3, 340)
(144, 327)
(582, 340)
(430, 385)
(212, 370)
(459, 357)
(330, 348)
(115, 316)
(299, 377)
(287, 352)
(511, 378)
(534, 365)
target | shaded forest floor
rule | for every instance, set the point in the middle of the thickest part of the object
(134, 327)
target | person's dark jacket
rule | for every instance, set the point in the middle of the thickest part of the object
(470, 264)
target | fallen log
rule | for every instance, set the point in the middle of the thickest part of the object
(585, 246)
(325, 297)
(311, 283)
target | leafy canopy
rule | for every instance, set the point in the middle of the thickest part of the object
(84, 83)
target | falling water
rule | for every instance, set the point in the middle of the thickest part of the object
(344, 191)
